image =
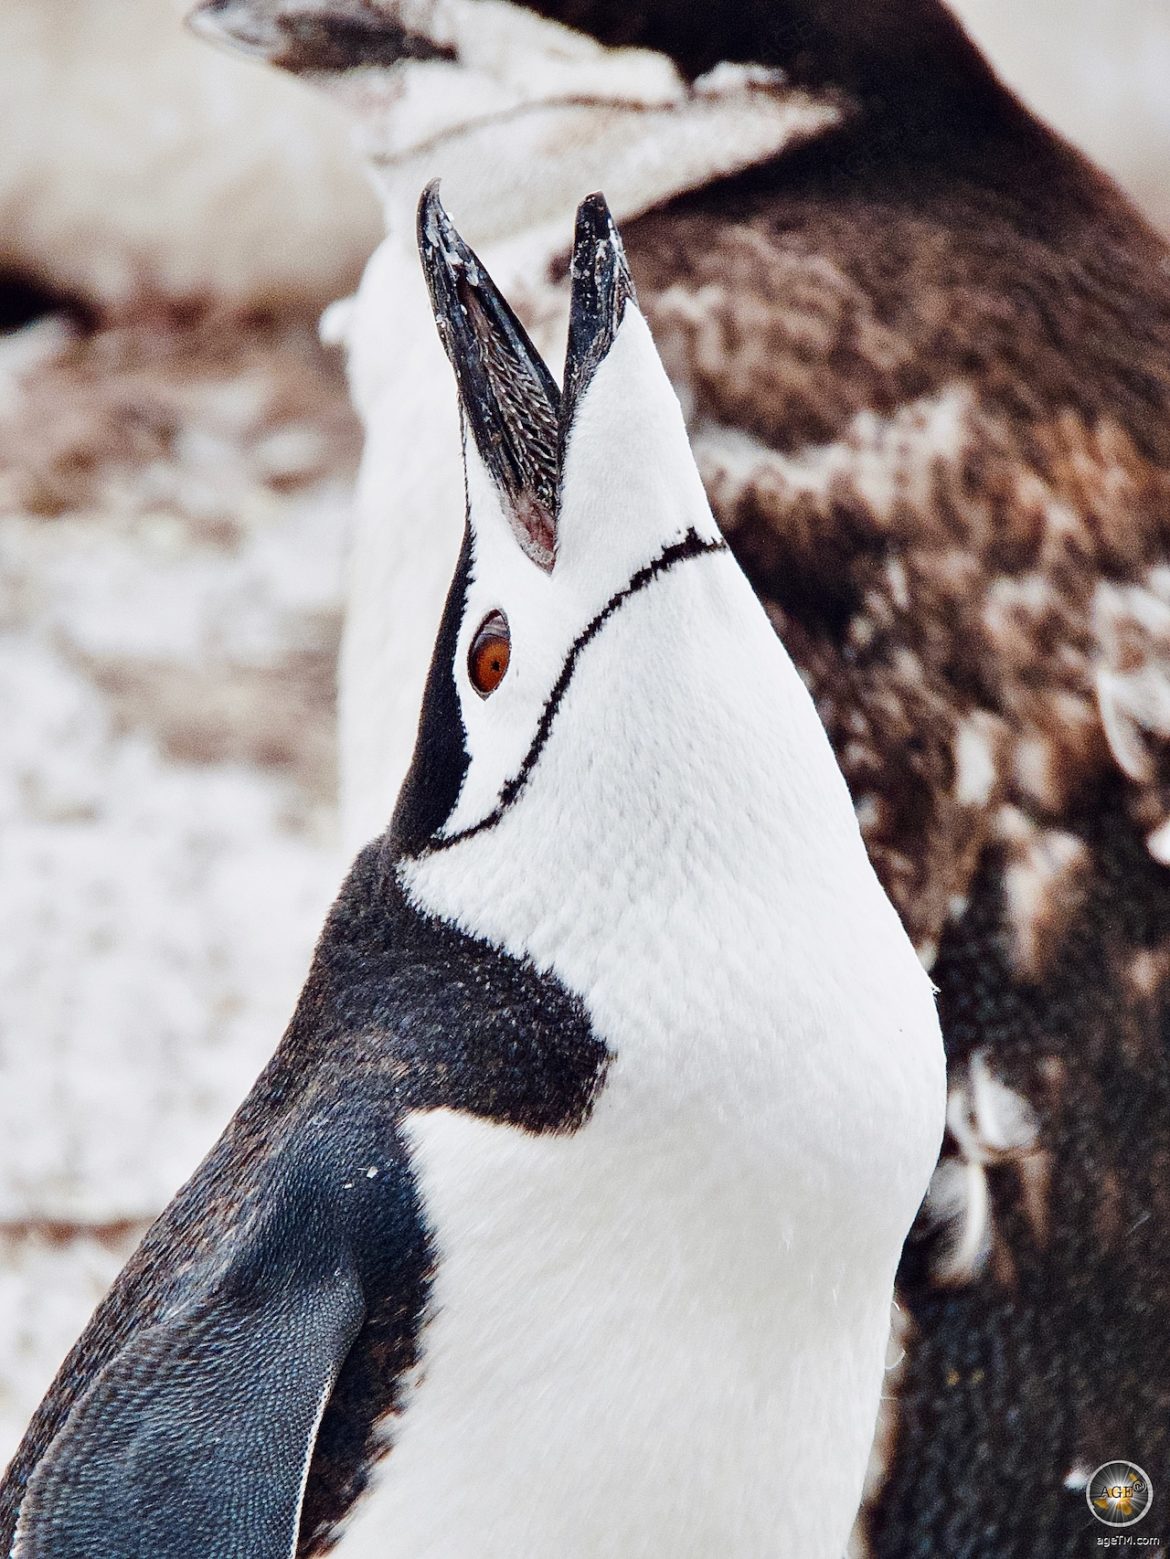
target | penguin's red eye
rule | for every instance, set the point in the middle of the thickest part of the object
(490, 652)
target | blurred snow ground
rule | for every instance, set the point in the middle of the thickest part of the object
(171, 534)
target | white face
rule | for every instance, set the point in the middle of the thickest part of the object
(521, 57)
(458, 60)
(621, 510)
(642, 652)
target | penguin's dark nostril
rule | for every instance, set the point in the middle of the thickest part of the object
(490, 653)
(333, 40)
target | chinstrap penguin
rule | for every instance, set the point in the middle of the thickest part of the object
(923, 348)
(566, 1216)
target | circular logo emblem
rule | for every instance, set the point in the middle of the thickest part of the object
(1119, 1494)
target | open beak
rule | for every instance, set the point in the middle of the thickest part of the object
(509, 400)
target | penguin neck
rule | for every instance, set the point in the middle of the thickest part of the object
(702, 886)
(684, 863)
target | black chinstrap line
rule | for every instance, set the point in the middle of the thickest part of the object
(692, 545)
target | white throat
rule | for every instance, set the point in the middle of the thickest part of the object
(702, 882)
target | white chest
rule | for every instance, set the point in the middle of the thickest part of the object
(654, 1337)
(647, 1339)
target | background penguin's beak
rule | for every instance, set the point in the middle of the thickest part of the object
(601, 288)
(344, 35)
(509, 400)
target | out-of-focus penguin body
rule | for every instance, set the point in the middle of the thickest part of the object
(565, 1219)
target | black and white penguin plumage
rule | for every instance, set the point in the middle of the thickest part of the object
(565, 1218)
(924, 352)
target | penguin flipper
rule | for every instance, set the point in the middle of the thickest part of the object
(195, 1441)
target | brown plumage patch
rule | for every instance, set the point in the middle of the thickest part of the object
(927, 431)
(926, 367)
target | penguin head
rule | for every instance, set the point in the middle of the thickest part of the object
(483, 91)
(652, 99)
(469, 58)
(598, 639)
